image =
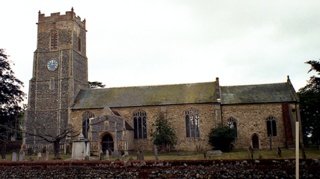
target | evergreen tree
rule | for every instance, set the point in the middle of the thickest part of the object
(96, 84)
(310, 106)
(11, 98)
(164, 136)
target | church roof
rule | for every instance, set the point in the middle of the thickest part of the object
(146, 95)
(262, 93)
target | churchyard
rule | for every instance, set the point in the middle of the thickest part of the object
(237, 154)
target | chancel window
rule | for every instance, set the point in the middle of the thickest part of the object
(192, 123)
(140, 124)
(54, 39)
(232, 123)
(85, 123)
(271, 126)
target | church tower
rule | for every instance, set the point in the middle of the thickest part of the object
(60, 70)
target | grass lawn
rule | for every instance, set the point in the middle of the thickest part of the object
(236, 154)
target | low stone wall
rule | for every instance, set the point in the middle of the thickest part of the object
(161, 169)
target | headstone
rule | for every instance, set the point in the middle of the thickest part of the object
(155, 152)
(123, 157)
(44, 149)
(251, 151)
(214, 152)
(101, 155)
(47, 155)
(21, 155)
(304, 156)
(140, 155)
(14, 157)
(29, 151)
(279, 151)
(86, 158)
(39, 156)
(68, 149)
(107, 154)
(80, 148)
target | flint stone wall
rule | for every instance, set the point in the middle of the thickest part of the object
(161, 169)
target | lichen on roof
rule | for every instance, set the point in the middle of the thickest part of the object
(146, 95)
(262, 93)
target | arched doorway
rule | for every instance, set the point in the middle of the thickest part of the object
(107, 143)
(255, 141)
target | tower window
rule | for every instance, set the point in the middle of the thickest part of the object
(54, 39)
(192, 123)
(140, 124)
(271, 126)
(79, 44)
(52, 83)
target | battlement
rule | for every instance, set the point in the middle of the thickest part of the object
(54, 17)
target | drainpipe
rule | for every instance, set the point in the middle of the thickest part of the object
(297, 143)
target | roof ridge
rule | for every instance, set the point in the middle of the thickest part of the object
(261, 84)
(150, 85)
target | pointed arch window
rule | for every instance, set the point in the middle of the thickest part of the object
(192, 123)
(271, 126)
(140, 124)
(232, 123)
(85, 123)
(54, 39)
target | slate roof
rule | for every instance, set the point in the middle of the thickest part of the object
(262, 93)
(146, 95)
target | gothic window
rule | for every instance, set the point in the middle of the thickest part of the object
(192, 123)
(232, 123)
(79, 44)
(54, 39)
(85, 123)
(271, 126)
(140, 124)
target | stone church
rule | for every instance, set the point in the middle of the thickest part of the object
(121, 118)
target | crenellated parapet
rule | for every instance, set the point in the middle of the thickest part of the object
(54, 17)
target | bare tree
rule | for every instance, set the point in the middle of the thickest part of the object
(51, 134)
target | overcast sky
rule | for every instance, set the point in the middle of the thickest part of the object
(133, 43)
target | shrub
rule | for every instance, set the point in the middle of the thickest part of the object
(221, 138)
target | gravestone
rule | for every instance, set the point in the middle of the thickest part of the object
(14, 157)
(214, 152)
(101, 155)
(86, 158)
(29, 151)
(47, 155)
(80, 148)
(68, 149)
(107, 155)
(140, 155)
(39, 156)
(279, 151)
(155, 152)
(21, 155)
(251, 151)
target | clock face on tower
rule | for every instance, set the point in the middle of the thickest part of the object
(52, 65)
